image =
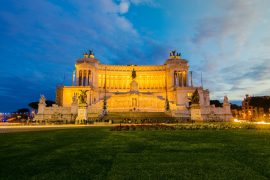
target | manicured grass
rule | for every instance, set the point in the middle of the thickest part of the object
(98, 153)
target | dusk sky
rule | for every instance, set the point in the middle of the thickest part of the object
(40, 40)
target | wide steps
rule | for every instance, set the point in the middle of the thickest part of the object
(137, 117)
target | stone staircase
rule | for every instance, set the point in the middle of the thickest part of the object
(138, 117)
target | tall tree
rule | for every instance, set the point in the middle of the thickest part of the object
(34, 105)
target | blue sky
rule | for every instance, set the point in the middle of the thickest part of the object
(228, 41)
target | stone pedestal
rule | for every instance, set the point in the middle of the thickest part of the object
(82, 114)
(227, 109)
(195, 112)
(134, 88)
(227, 112)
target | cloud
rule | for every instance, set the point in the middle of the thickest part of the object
(226, 42)
(237, 21)
(44, 38)
(228, 33)
(124, 6)
(99, 27)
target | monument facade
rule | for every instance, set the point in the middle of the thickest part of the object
(109, 89)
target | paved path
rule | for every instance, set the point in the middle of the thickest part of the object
(25, 128)
(7, 128)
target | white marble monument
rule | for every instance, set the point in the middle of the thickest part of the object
(82, 108)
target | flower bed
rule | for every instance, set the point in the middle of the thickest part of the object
(189, 126)
(220, 126)
(151, 127)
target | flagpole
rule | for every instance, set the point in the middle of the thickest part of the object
(105, 94)
(167, 104)
(201, 80)
(191, 80)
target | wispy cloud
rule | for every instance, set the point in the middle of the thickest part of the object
(227, 41)
(44, 38)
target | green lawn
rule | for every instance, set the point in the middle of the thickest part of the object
(98, 153)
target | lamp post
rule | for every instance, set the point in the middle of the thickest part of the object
(105, 95)
(167, 104)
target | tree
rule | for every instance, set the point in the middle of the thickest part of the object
(49, 103)
(23, 113)
(34, 105)
(236, 107)
(261, 102)
(23, 110)
(216, 103)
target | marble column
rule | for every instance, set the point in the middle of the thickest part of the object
(182, 76)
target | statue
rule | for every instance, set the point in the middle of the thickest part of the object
(173, 52)
(225, 101)
(91, 52)
(42, 99)
(195, 99)
(82, 116)
(82, 97)
(134, 85)
(133, 74)
(74, 99)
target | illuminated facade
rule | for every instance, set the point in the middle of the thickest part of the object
(131, 88)
(256, 108)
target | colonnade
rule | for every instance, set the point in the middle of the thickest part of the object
(152, 82)
(84, 78)
(123, 82)
(180, 78)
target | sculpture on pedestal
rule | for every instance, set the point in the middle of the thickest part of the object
(227, 109)
(91, 54)
(195, 99)
(82, 97)
(41, 104)
(133, 75)
(225, 101)
(82, 109)
(42, 100)
(195, 110)
(175, 55)
(134, 85)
